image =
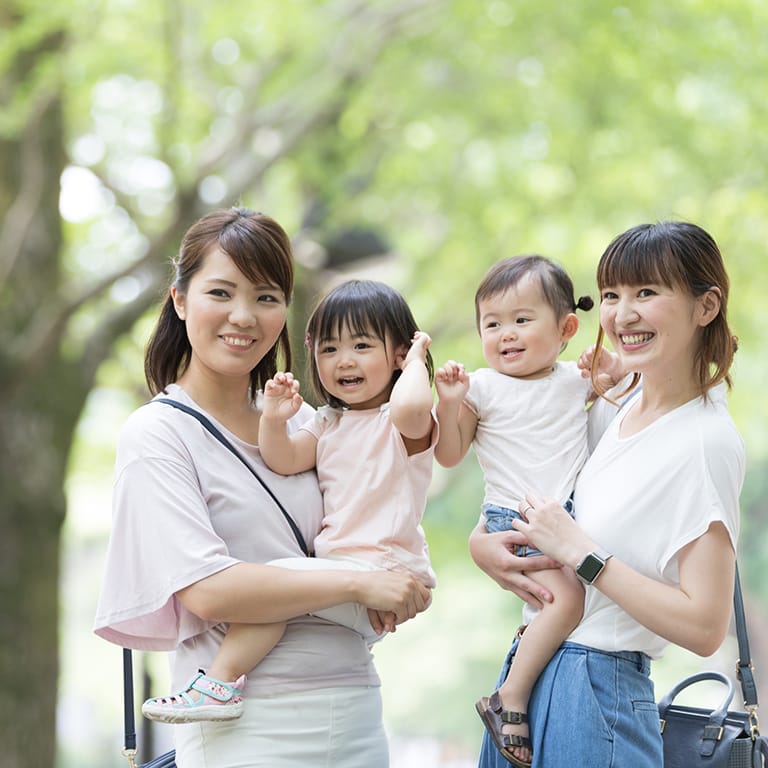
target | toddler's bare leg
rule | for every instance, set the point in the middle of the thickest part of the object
(541, 639)
(244, 646)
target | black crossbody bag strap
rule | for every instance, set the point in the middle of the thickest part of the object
(129, 723)
(744, 669)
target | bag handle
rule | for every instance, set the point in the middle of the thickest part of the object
(744, 667)
(713, 729)
(718, 715)
(744, 672)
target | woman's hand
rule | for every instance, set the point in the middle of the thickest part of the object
(389, 594)
(552, 530)
(492, 552)
(382, 621)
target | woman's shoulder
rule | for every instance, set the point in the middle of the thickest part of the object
(150, 418)
(716, 427)
(157, 429)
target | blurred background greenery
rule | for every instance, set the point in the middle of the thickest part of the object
(414, 141)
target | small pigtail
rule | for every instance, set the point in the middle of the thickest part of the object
(584, 303)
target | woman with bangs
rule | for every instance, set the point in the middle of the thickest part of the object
(193, 531)
(656, 505)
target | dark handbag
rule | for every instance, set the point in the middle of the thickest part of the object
(716, 738)
(168, 760)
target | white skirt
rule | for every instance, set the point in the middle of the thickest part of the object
(327, 728)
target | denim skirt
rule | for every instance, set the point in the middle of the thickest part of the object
(589, 709)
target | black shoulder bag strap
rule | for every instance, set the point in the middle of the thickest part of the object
(746, 676)
(744, 669)
(129, 724)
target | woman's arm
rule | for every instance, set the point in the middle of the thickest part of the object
(694, 615)
(251, 593)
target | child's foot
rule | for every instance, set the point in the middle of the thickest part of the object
(204, 698)
(507, 728)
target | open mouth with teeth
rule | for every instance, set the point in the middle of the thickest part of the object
(633, 339)
(237, 342)
(349, 381)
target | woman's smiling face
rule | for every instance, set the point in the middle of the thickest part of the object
(652, 327)
(231, 322)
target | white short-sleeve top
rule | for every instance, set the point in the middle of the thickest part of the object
(531, 434)
(644, 497)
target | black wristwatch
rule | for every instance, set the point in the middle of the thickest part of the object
(591, 565)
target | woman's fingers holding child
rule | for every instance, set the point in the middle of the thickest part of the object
(548, 526)
(391, 591)
(382, 621)
(494, 554)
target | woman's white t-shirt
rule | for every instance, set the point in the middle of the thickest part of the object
(645, 496)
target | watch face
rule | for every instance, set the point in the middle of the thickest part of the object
(590, 567)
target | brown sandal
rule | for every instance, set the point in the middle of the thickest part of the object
(494, 716)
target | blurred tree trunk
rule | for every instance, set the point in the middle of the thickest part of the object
(37, 418)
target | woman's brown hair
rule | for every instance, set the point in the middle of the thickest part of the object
(679, 255)
(260, 249)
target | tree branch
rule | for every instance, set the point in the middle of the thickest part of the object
(322, 105)
(21, 213)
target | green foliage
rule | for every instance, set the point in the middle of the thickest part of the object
(459, 131)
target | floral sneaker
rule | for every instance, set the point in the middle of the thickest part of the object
(217, 700)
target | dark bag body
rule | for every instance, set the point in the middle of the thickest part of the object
(718, 738)
(168, 760)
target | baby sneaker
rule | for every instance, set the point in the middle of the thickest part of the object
(204, 698)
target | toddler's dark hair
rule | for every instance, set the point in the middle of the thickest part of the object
(362, 307)
(556, 285)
